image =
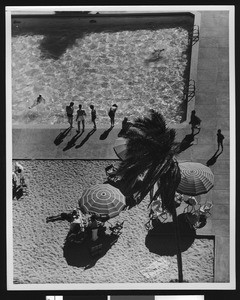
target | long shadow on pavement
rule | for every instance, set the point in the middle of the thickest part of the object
(105, 134)
(79, 254)
(86, 138)
(214, 158)
(59, 139)
(161, 239)
(72, 142)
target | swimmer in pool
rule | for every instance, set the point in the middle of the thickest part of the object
(157, 53)
(39, 100)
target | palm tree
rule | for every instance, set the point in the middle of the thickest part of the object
(151, 151)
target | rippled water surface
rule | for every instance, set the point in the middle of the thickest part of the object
(100, 68)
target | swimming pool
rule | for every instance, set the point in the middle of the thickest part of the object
(99, 60)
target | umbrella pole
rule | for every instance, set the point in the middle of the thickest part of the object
(177, 236)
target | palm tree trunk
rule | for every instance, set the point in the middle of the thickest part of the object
(177, 236)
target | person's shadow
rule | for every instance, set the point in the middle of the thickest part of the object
(72, 142)
(105, 134)
(213, 159)
(79, 255)
(59, 139)
(161, 239)
(86, 138)
(186, 142)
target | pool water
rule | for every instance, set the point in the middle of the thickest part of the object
(100, 68)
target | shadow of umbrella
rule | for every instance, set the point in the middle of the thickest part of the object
(72, 142)
(161, 239)
(59, 139)
(86, 138)
(79, 255)
(105, 134)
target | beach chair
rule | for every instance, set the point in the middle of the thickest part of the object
(116, 229)
(157, 212)
(110, 173)
(205, 209)
(191, 205)
(198, 218)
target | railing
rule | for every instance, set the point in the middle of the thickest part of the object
(189, 92)
(194, 35)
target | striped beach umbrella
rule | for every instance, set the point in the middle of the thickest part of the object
(102, 199)
(120, 147)
(196, 179)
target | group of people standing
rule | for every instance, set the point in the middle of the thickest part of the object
(80, 225)
(81, 115)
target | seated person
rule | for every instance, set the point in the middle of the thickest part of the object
(77, 221)
(18, 170)
(125, 126)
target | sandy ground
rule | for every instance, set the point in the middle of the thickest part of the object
(136, 256)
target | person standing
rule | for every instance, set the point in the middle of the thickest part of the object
(195, 122)
(111, 114)
(220, 138)
(93, 115)
(80, 118)
(69, 111)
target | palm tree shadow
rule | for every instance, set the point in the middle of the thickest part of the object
(72, 142)
(59, 139)
(105, 134)
(86, 138)
(80, 256)
(161, 239)
(213, 159)
(54, 45)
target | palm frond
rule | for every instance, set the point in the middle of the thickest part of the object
(151, 148)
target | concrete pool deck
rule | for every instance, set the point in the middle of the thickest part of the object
(211, 105)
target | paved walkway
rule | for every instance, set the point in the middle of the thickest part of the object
(211, 105)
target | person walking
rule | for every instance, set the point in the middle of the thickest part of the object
(93, 115)
(111, 114)
(80, 118)
(69, 111)
(220, 138)
(195, 122)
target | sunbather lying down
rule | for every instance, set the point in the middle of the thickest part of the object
(39, 100)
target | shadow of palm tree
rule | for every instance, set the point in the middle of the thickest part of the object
(80, 256)
(161, 239)
(59, 139)
(72, 142)
(86, 138)
(105, 134)
(61, 35)
(54, 45)
(213, 159)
